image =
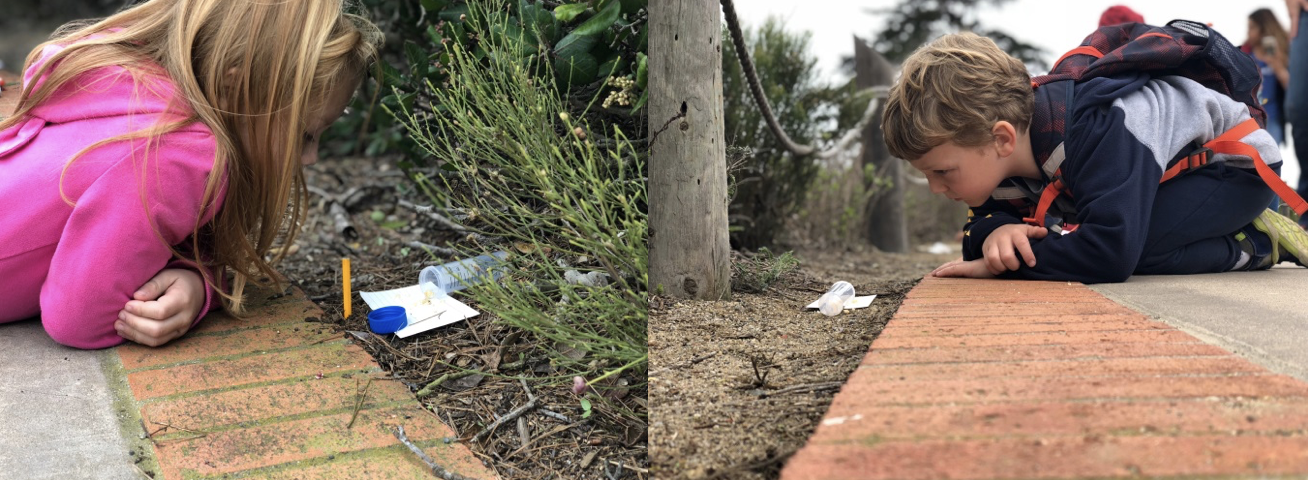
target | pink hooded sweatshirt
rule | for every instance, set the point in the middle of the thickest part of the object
(77, 265)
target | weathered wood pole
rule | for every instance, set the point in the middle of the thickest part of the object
(690, 253)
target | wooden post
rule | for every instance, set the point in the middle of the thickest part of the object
(887, 229)
(690, 253)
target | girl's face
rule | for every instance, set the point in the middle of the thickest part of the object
(1255, 33)
(322, 115)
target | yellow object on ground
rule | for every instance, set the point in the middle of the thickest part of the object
(345, 283)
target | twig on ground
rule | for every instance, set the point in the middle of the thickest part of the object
(507, 418)
(694, 361)
(358, 402)
(552, 431)
(618, 472)
(530, 396)
(514, 365)
(631, 467)
(165, 426)
(187, 430)
(441, 251)
(430, 212)
(808, 387)
(395, 350)
(750, 467)
(437, 382)
(437, 470)
(615, 473)
(524, 436)
(553, 414)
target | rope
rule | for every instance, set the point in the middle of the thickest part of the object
(756, 88)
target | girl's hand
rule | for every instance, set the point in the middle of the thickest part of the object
(960, 268)
(163, 308)
(1002, 247)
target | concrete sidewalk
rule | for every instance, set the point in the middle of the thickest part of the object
(982, 379)
(270, 396)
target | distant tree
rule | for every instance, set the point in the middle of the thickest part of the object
(912, 23)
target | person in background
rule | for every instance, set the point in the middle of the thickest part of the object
(1296, 95)
(1119, 14)
(1269, 46)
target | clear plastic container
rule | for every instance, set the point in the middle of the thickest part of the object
(454, 276)
(833, 302)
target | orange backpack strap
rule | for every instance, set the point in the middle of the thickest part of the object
(1229, 143)
(1051, 192)
(1194, 160)
(1081, 50)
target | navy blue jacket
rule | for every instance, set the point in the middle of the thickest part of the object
(1113, 138)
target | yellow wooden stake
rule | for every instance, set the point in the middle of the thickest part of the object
(345, 273)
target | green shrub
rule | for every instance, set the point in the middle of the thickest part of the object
(566, 196)
(755, 274)
(586, 48)
(768, 181)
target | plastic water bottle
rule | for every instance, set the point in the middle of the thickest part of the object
(454, 276)
(833, 302)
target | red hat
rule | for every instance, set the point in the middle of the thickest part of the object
(1119, 14)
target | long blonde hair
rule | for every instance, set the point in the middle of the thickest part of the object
(252, 71)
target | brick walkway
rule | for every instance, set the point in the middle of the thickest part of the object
(273, 396)
(1002, 379)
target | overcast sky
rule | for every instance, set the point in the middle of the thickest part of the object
(1055, 25)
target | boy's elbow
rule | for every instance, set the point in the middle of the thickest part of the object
(1115, 278)
(1112, 274)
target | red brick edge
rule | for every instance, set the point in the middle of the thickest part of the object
(983, 379)
(273, 396)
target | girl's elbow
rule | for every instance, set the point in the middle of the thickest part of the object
(76, 329)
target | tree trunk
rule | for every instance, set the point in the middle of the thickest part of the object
(689, 254)
(887, 229)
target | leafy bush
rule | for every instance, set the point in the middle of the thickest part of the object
(770, 182)
(569, 198)
(586, 48)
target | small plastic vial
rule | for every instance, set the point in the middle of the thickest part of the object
(833, 302)
(454, 276)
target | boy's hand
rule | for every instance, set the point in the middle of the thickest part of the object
(960, 268)
(163, 308)
(1003, 245)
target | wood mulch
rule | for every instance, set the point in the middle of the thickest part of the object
(551, 440)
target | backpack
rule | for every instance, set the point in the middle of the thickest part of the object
(1185, 48)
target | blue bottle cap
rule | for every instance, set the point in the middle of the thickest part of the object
(387, 319)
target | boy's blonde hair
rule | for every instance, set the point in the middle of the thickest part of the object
(254, 72)
(955, 89)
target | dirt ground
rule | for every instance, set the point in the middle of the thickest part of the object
(551, 441)
(737, 386)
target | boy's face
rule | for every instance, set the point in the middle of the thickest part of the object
(963, 174)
